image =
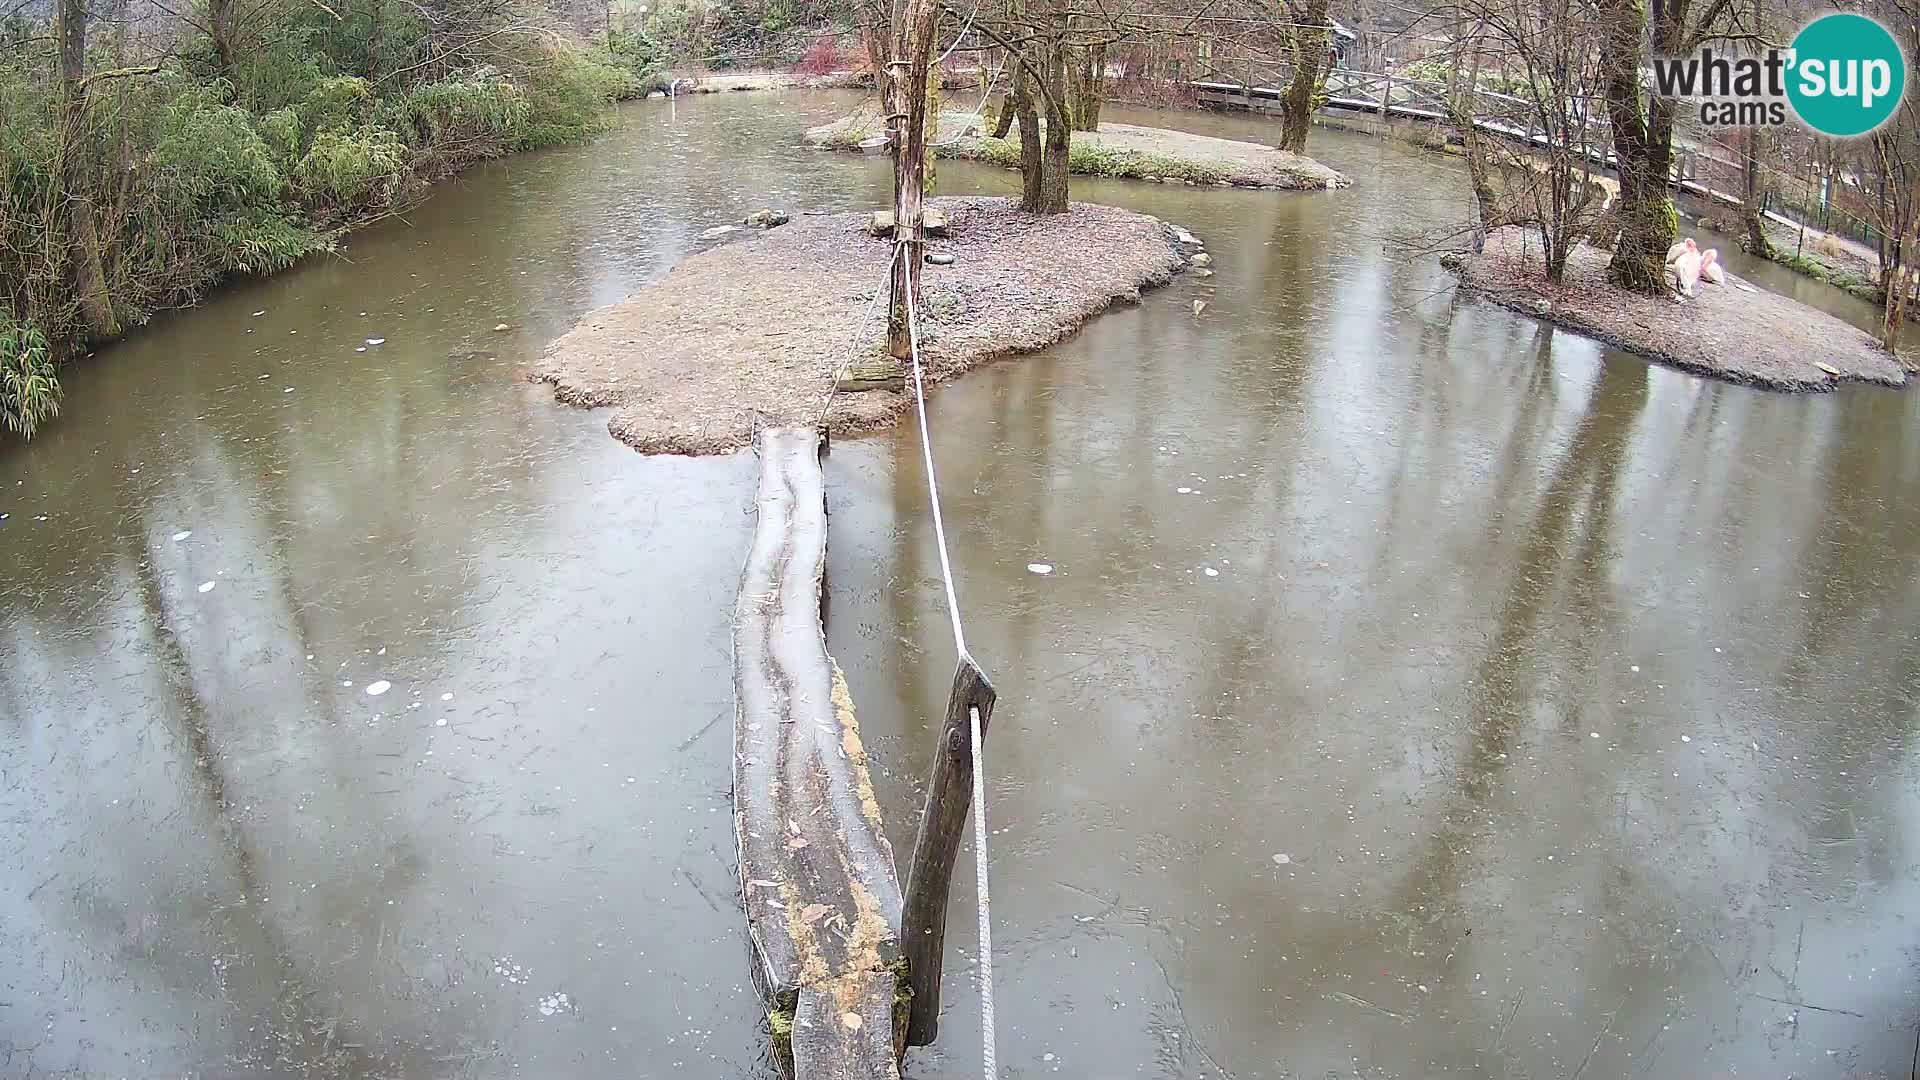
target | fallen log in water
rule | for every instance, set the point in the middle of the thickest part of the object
(816, 871)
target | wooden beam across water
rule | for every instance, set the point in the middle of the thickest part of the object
(816, 872)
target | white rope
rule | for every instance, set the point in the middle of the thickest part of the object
(964, 31)
(926, 454)
(983, 902)
(977, 109)
(980, 897)
(853, 341)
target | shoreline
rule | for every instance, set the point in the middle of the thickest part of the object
(1116, 150)
(754, 333)
(1734, 333)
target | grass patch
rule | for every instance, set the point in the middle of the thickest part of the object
(1087, 159)
(780, 1026)
(1844, 280)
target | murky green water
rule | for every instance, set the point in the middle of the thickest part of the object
(1543, 714)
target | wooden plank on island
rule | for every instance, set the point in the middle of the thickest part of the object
(816, 871)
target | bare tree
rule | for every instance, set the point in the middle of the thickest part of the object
(1753, 192)
(1895, 156)
(1544, 183)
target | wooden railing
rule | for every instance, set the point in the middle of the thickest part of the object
(1259, 85)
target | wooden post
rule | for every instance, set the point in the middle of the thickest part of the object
(923, 919)
(1386, 96)
(907, 76)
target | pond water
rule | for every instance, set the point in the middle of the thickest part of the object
(1417, 691)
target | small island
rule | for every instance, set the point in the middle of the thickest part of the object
(1124, 151)
(756, 332)
(1731, 331)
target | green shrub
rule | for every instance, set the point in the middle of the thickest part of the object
(194, 173)
(29, 388)
(261, 241)
(639, 59)
(283, 71)
(209, 153)
(339, 101)
(347, 169)
(567, 100)
(280, 130)
(460, 119)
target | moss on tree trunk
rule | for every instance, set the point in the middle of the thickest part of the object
(1032, 163)
(1089, 75)
(1753, 196)
(1059, 134)
(1643, 145)
(1310, 42)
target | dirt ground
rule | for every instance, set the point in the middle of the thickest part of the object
(753, 332)
(1121, 150)
(697, 83)
(1756, 337)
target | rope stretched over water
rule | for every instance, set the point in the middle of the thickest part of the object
(979, 109)
(853, 342)
(980, 890)
(981, 896)
(926, 454)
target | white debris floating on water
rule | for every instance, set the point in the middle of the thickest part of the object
(448, 696)
(1039, 568)
(1282, 859)
(555, 1003)
(182, 535)
(1211, 572)
(206, 586)
(510, 971)
(376, 341)
(378, 687)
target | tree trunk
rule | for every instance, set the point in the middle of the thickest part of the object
(1896, 311)
(1896, 287)
(876, 38)
(1032, 163)
(1753, 197)
(1643, 145)
(377, 37)
(1059, 132)
(220, 22)
(1089, 76)
(907, 73)
(79, 276)
(1003, 111)
(1309, 65)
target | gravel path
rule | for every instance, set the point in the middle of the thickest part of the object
(754, 331)
(1757, 338)
(1128, 151)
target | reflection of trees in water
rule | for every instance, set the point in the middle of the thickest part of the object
(1568, 540)
(291, 1027)
(1848, 674)
(1565, 547)
(241, 706)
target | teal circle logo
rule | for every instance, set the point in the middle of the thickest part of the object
(1848, 75)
